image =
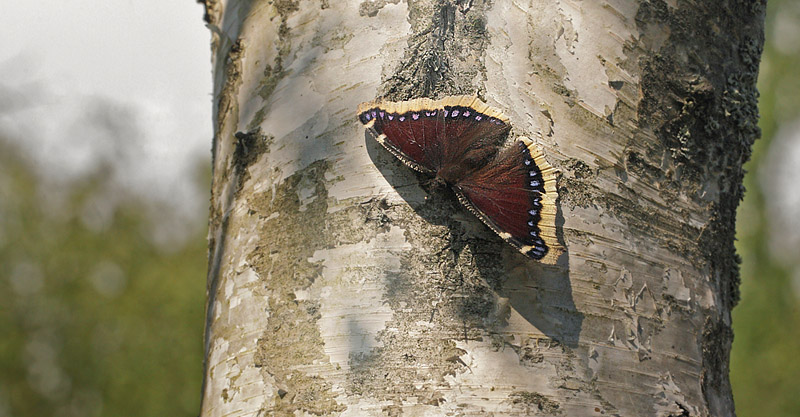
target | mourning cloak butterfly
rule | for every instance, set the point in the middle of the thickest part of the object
(458, 139)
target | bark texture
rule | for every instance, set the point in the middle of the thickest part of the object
(341, 283)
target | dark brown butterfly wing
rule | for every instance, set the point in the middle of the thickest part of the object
(515, 196)
(455, 133)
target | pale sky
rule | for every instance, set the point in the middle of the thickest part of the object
(124, 80)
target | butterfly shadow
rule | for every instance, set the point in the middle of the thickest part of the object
(521, 288)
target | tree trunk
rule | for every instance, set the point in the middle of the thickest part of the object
(340, 283)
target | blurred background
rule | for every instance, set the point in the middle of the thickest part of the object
(765, 361)
(105, 139)
(105, 136)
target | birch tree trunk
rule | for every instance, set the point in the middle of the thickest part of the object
(341, 284)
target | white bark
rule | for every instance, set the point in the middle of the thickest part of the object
(340, 284)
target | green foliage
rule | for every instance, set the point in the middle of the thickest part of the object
(764, 365)
(94, 320)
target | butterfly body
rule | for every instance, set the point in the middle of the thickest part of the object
(459, 141)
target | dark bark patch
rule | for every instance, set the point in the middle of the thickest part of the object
(272, 75)
(536, 350)
(286, 7)
(292, 339)
(716, 341)
(445, 50)
(249, 147)
(212, 11)
(233, 80)
(684, 411)
(371, 8)
(699, 97)
(533, 400)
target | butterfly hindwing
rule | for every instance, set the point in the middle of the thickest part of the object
(515, 196)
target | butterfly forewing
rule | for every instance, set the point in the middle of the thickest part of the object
(414, 132)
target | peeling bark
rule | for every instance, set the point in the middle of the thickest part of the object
(341, 283)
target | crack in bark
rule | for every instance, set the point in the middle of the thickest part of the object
(445, 51)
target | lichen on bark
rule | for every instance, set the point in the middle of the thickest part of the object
(700, 98)
(291, 338)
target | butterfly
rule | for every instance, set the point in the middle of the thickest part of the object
(459, 140)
